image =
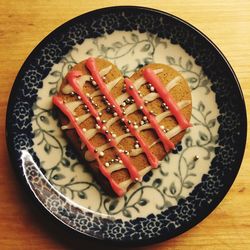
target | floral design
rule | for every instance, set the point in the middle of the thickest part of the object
(54, 203)
(21, 113)
(184, 212)
(131, 44)
(76, 34)
(22, 142)
(116, 232)
(211, 185)
(108, 23)
(82, 223)
(50, 54)
(225, 150)
(33, 81)
(226, 154)
(195, 79)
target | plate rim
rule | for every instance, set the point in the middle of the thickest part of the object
(240, 155)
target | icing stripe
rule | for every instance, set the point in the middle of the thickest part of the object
(174, 131)
(71, 77)
(110, 85)
(82, 118)
(125, 184)
(140, 104)
(131, 108)
(115, 167)
(90, 63)
(159, 118)
(58, 101)
(152, 78)
(107, 146)
(105, 71)
(134, 152)
(73, 105)
(81, 80)
(138, 83)
(173, 83)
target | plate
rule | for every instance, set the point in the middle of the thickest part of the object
(188, 184)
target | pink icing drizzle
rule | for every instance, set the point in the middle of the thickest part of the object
(152, 78)
(140, 104)
(58, 101)
(71, 77)
(91, 65)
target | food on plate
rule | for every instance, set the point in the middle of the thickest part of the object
(122, 127)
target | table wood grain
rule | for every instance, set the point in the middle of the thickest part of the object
(23, 24)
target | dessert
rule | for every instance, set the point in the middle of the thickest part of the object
(122, 127)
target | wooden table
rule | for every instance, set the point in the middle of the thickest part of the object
(23, 24)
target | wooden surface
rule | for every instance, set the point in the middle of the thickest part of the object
(23, 24)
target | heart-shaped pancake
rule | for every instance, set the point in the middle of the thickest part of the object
(122, 127)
